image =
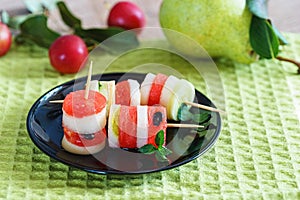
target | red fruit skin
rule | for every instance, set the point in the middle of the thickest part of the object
(5, 39)
(126, 15)
(68, 53)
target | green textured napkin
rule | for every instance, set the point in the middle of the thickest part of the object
(256, 156)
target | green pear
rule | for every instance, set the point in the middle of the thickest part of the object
(221, 27)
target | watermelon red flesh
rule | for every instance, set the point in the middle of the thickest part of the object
(154, 129)
(76, 105)
(128, 127)
(156, 89)
(79, 140)
(122, 93)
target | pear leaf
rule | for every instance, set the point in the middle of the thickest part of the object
(258, 8)
(263, 38)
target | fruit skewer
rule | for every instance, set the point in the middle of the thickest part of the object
(136, 126)
(84, 121)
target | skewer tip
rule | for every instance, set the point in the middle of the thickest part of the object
(204, 107)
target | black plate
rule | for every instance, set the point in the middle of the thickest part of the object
(45, 130)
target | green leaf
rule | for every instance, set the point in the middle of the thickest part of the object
(263, 39)
(164, 151)
(184, 113)
(147, 149)
(68, 17)
(203, 131)
(35, 30)
(160, 157)
(98, 34)
(160, 138)
(115, 39)
(15, 21)
(201, 117)
(258, 8)
(124, 41)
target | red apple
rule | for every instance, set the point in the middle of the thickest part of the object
(5, 39)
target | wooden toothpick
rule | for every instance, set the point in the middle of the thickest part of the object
(57, 101)
(88, 81)
(185, 126)
(204, 107)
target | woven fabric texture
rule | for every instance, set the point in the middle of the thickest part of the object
(257, 155)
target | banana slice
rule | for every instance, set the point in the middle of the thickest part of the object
(113, 126)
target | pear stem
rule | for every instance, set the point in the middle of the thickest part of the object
(290, 61)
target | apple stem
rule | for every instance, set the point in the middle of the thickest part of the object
(290, 61)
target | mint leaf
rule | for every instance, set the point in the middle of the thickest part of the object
(184, 113)
(258, 7)
(161, 157)
(263, 38)
(202, 117)
(160, 152)
(160, 138)
(147, 149)
(164, 151)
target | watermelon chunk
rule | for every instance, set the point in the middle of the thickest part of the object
(157, 120)
(123, 93)
(76, 105)
(128, 127)
(156, 89)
